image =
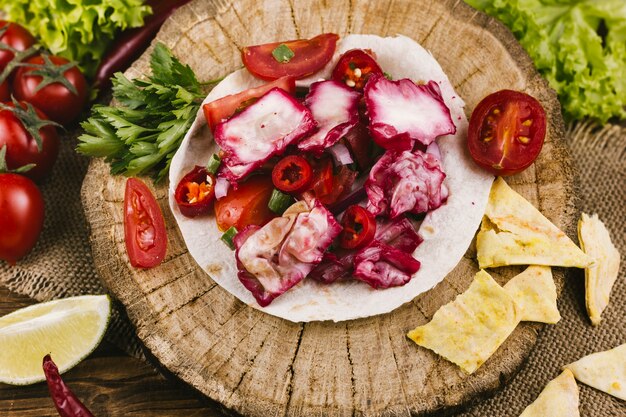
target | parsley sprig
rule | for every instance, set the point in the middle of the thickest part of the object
(141, 134)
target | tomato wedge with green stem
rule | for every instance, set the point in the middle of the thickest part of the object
(223, 108)
(144, 227)
(245, 205)
(359, 228)
(506, 132)
(308, 56)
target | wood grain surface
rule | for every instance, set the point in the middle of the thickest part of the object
(259, 365)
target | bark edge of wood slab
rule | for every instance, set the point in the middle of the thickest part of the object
(258, 365)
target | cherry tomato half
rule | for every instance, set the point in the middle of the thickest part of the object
(144, 227)
(245, 205)
(292, 174)
(56, 100)
(21, 216)
(309, 56)
(506, 132)
(195, 192)
(222, 108)
(16, 37)
(359, 228)
(355, 67)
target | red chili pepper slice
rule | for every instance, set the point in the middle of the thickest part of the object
(359, 228)
(355, 67)
(292, 174)
(66, 403)
(195, 192)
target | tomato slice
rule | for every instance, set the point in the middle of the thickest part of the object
(309, 56)
(506, 132)
(355, 67)
(292, 174)
(222, 108)
(144, 227)
(245, 205)
(359, 228)
(329, 187)
(195, 192)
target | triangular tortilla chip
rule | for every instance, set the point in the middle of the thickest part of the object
(469, 329)
(599, 278)
(513, 232)
(534, 293)
(558, 399)
(605, 371)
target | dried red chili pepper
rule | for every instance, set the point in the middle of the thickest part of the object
(66, 403)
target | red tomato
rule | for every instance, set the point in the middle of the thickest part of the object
(329, 187)
(310, 56)
(246, 205)
(21, 216)
(56, 100)
(355, 67)
(5, 94)
(323, 183)
(222, 108)
(292, 174)
(359, 228)
(22, 148)
(195, 192)
(16, 37)
(144, 227)
(506, 132)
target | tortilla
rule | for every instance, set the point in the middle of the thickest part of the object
(605, 371)
(514, 232)
(470, 329)
(558, 399)
(447, 231)
(534, 293)
(599, 278)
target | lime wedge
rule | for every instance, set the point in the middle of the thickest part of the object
(68, 329)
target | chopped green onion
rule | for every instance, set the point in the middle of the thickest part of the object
(279, 202)
(388, 76)
(228, 237)
(282, 53)
(214, 164)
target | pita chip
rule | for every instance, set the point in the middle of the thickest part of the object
(534, 293)
(468, 330)
(599, 278)
(558, 399)
(514, 232)
(605, 371)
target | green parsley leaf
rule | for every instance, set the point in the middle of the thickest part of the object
(283, 54)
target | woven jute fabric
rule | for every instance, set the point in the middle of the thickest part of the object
(61, 265)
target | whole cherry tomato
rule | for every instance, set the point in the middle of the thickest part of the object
(355, 67)
(144, 226)
(15, 36)
(62, 95)
(359, 228)
(21, 216)
(307, 56)
(506, 132)
(22, 147)
(292, 174)
(245, 205)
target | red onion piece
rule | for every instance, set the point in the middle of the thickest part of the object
(221, 187)
(340, 154)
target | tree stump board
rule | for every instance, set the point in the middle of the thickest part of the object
(259, 365)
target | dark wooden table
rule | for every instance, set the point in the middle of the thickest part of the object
(110, 382)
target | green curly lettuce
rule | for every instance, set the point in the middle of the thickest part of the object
(579, 46)
(79, 30)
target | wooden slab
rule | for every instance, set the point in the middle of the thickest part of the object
(259, 365)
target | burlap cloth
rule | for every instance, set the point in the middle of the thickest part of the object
(61, 265)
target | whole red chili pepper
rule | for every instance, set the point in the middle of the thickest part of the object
(64, 399)
(132, 42)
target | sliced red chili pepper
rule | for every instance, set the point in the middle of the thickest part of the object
(359, 228)
(195, 192)
(292, 174)
(355, 67)
(66, 403)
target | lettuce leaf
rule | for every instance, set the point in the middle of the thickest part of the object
(579, 46)
(79, 30)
